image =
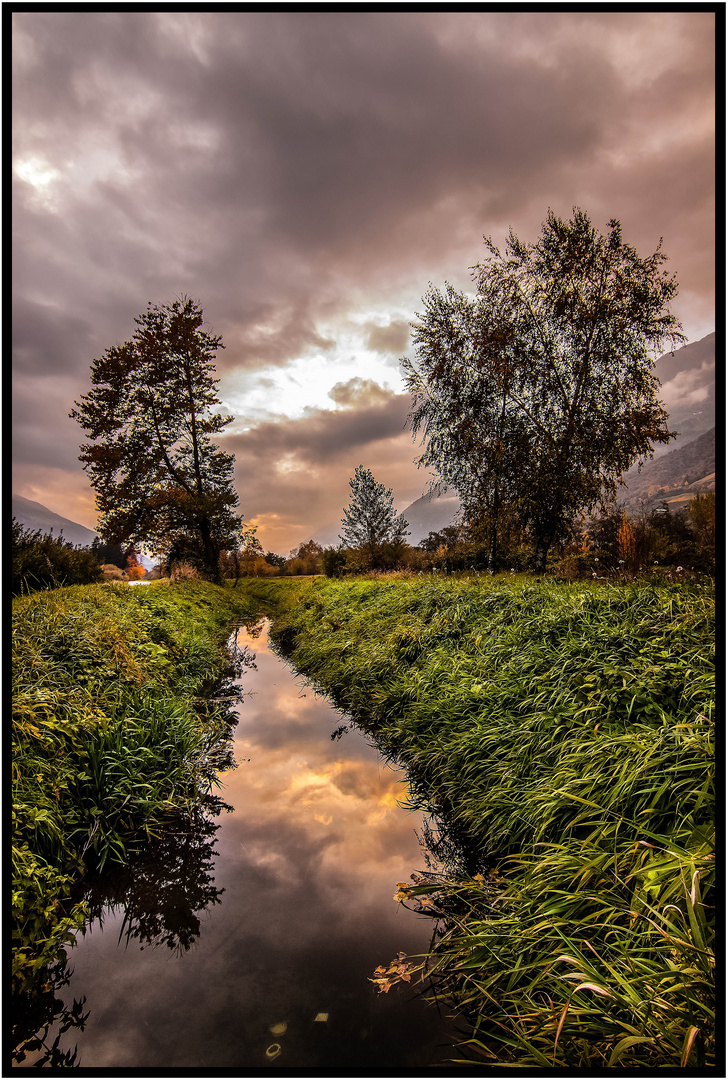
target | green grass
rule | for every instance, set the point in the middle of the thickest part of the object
(567, 734)
(108, 743)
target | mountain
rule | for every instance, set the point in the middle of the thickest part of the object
(431, 513)
(425, 515)
(688, 391)
(675, 478)
(34, 516)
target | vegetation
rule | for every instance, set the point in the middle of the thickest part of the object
(150, 417)
(566, 732)
(370, 520)
(46, 561)
(111, 739)
(535, 396)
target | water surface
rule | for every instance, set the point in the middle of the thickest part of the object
(249, 943)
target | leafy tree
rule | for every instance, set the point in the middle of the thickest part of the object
(446, 540)
(333, 561)
(109, 553)
(150, 416)
(305, 559)
(279, 561)
(370, 520)
(701, 512)
(134, 571)
(537, 393)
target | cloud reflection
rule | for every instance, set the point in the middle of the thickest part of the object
(308, 862)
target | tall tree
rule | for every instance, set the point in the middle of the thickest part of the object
(370, 519)
(150, 417)
(538, 392)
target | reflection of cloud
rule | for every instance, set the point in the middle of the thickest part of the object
(308, 861)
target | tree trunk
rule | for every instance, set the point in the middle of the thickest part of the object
(212, 559)
(544, 539)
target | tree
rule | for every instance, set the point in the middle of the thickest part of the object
(150, 416)
(305, 559)
(370, 520)
(537, 393)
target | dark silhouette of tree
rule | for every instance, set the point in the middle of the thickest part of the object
(150, 417)
(538, 393)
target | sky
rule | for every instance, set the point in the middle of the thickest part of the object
(305, 176)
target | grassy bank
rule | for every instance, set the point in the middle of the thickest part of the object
(567, 731)
(108, 740)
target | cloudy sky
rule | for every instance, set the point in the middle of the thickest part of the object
(304, 176)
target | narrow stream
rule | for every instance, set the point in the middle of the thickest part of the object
(250, 944)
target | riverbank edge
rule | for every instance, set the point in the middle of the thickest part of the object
(567, 730)
(108, 740)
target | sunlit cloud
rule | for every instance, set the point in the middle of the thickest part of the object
(305, 178)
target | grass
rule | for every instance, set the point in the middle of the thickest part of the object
(566, 732)
(109, 741)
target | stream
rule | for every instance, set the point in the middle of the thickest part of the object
(250, 942)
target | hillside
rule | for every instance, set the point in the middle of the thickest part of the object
(34, 516)
(674, 478)
(688, 391)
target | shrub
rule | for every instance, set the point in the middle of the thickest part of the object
(45, 562)
(112, 572)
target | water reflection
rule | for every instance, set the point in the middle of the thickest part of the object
(160, 891)
(262, 959)
(40, 1019)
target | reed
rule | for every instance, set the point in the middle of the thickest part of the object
(107, 742)
(567, 733)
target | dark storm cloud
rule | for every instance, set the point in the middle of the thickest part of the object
(290, 170)
(324, 435)
(249, 185)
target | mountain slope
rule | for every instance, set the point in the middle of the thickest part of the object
(688, 391)
(34, 516)
(675, 477)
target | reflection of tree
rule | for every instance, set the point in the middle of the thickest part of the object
(161, 888)
(254, 626)
(35, 1012)
(447, 851)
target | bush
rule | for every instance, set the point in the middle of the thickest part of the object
(45, 562)
(112, 572)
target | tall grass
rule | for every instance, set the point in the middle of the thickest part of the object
(567, 732)
(108, 744)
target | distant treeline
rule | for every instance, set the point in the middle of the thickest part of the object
(605, 544)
